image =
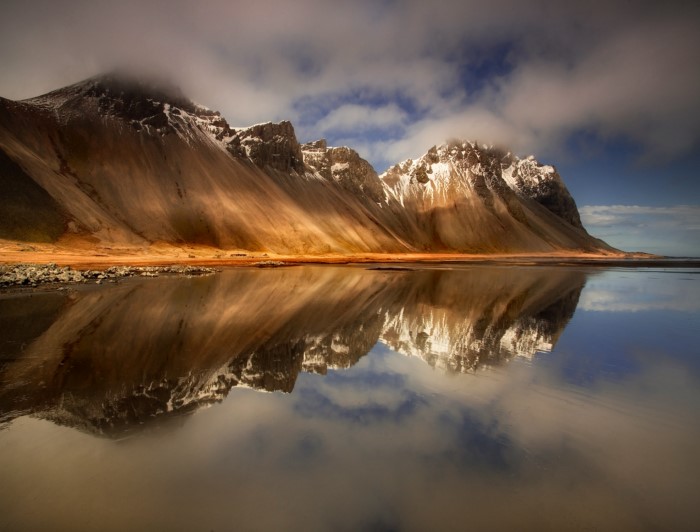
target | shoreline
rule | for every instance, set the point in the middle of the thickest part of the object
(95, 262)
(81, 255)
(18, 277)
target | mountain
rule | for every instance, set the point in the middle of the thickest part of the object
(117, 160)
(65, 356)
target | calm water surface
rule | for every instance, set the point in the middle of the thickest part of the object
(342, 398)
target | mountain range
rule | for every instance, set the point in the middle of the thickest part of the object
(115, 160)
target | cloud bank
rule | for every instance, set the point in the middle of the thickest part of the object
(393, 76)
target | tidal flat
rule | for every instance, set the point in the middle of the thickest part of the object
(444, 396)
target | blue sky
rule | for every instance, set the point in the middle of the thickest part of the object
(605, 91)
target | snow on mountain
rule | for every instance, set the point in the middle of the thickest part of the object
(345, 167)
(476, 198)
(466, 168)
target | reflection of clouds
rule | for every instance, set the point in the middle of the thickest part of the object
(620, 301)
(378, 408)
(554, 456)
(623, 292)
(390, 443)
(636, 436)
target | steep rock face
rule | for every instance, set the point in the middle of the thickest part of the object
(485, 172)
(541, 183)
(156, 106)
(344, 166)
(269, 145)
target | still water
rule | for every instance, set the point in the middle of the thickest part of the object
(345, 398)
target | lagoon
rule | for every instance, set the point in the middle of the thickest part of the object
(349, 398)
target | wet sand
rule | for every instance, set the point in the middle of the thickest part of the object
(81, 255)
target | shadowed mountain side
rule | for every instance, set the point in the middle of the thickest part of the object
(30, 213)
(109, 359)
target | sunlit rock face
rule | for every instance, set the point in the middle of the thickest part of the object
(115, 160)
(484, 171)
(190, 341)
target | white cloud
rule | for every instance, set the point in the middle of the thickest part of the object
(617, 291)
(359, 118)
(685, 217)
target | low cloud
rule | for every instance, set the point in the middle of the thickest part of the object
(685, 217)
(361, 118)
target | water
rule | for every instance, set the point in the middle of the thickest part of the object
(442, 399)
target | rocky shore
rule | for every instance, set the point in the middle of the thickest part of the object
(37, 274)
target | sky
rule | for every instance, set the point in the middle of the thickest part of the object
(606, 91)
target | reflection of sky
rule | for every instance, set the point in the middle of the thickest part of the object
(640, 290)
(600, 433)
(625, 320)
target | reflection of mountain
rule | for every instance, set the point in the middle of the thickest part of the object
(106, 360)
(483, 317)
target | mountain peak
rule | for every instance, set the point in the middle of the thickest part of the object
(344, 166)
(269, 144)
(122, 86)
(150, 103)
(482, 168)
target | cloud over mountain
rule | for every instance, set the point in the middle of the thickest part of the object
(522, 74)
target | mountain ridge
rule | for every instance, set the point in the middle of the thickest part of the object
(127, 162)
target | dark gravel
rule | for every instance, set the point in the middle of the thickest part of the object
(38, 274)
